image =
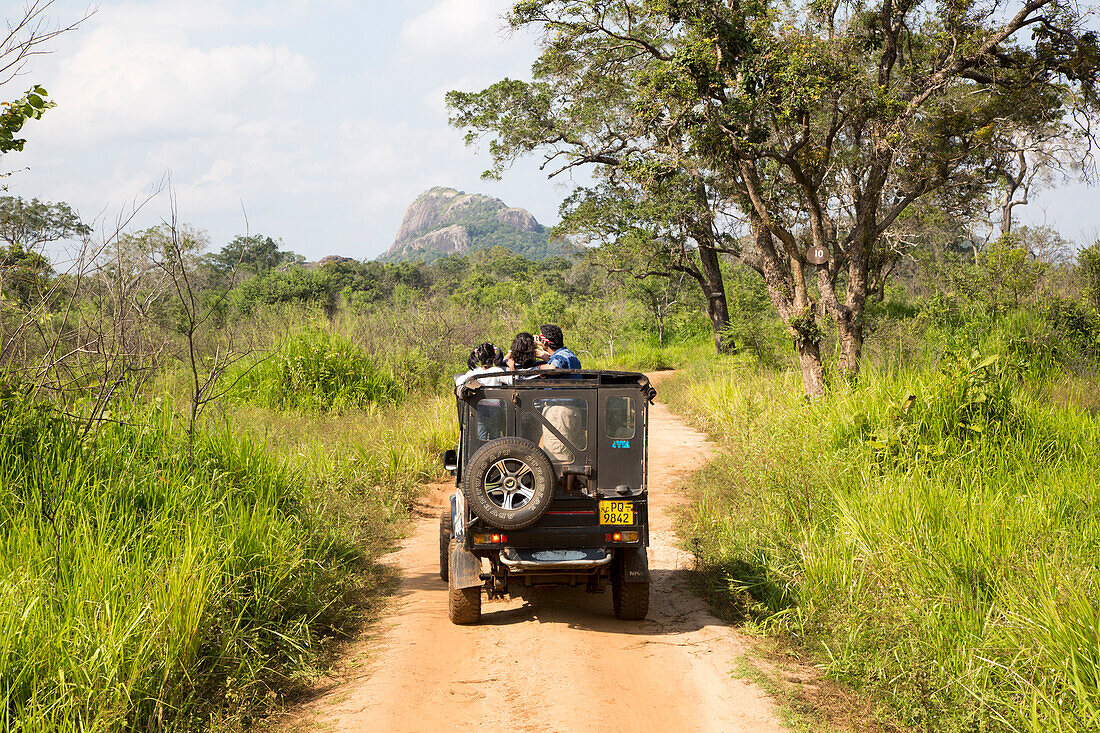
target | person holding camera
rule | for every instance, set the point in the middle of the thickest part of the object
(550, 345)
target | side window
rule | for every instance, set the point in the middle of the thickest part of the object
(620, 418)
(570, 418)
(491, 417)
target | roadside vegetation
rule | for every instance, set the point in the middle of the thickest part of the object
(927, 533)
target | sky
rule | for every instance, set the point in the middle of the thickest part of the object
(312, 121)
(315, 122)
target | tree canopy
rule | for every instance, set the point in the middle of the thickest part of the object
(811, 127)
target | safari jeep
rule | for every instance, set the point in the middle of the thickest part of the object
(551, 489)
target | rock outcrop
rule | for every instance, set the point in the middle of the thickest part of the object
(443, 221)
(519, 219)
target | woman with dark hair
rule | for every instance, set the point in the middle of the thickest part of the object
(522, 354)
(484, 359)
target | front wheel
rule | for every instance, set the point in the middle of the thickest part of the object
(463, 604)
(630, 600)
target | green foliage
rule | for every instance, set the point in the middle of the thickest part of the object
(1089, 259)
(972, 399)
(31, 106)
(253, 254)
(137, 587)
(28, 224)
(24, 276)
(1004, 274)
(926, 535)
(315, 370)
(297, 285)
(753, 327)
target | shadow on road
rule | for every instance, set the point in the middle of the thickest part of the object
(673, 608)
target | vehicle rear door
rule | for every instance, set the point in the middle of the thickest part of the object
(620, 439)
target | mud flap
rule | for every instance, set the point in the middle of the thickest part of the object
(465, 570)
(635, 567)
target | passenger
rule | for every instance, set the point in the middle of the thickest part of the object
(550, 346)
(523, 354)
(485, 359)
(565, 415)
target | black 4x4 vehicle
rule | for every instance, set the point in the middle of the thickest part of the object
(551, 477)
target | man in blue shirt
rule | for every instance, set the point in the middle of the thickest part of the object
(550, 345)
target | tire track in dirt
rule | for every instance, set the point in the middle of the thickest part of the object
(561, 662)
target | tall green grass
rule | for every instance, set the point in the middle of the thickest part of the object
(931, 536)
(139, 591)
(314, 370)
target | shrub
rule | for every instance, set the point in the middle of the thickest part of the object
(315, 370)
(297, 285)
(1089, 261)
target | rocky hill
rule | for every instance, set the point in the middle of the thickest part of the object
(443, 221)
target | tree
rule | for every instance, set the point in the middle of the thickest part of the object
(825, 121)
(656, 226)
(24, 276)
(253, 254)
(1004, 271)
(26, 227)
(656, 205)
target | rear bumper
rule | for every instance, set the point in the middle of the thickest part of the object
(571, 522)
(554, 560)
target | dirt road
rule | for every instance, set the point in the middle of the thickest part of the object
(560, 663)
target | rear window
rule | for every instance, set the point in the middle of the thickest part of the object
(621, 418)
(568, 416)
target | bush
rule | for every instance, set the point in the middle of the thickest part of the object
(315, 370)
(297, 285)
(1089, 260)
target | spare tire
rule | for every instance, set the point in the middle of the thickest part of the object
(509, 483)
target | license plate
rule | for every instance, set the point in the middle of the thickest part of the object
(616, 512)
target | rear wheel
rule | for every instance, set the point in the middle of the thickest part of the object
(463, 604)
(631, 600)
(444, 542)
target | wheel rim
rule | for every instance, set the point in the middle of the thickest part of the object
(510, 484)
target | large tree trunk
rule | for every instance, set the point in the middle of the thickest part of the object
(813, 369)
(850, 333)
(714, 289)
(785, 280)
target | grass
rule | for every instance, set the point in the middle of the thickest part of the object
(929, 536)
(141, 591)
(314, 370)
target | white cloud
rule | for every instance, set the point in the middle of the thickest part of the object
(450, 27)
(139, 74)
